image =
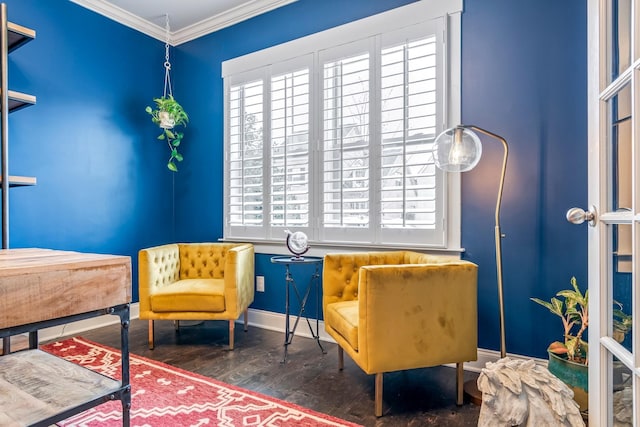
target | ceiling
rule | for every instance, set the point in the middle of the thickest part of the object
(188, 19)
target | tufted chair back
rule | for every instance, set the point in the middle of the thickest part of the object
(341, 272)
(203, 260)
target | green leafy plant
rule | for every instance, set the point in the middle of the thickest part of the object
(621, 322)
(573, 309)
(168, 114)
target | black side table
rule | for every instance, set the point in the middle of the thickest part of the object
(288, 262)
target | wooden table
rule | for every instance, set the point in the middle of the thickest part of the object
(41, 288)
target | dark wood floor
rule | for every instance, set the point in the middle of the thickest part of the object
(420, 397)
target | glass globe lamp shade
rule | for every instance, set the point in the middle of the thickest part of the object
(457, 150)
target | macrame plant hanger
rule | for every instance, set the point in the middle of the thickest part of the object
(167, 63)
(166, 122)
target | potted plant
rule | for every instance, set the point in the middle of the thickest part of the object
(573, 309)
(168, 114)
(568, 360)
(621, 322)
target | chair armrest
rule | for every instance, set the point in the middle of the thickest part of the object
(157, 266)
(239, 278)
(417, 315)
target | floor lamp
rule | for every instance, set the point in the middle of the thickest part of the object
(459, 150)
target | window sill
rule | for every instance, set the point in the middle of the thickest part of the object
(278, 247)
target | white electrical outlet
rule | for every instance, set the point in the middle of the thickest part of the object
(260, 283)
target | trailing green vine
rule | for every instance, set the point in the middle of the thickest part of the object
(168, 114)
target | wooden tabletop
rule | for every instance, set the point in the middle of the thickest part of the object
(44, 284)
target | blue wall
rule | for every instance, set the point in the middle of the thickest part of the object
(103, 185)
(102, 181)
(524, 71)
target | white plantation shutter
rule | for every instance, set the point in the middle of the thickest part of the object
(408, 128)
(412, 190)
(245, 154)
(346, 151)
(290, 150)
(332, 134)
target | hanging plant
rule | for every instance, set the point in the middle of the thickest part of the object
(168, 114)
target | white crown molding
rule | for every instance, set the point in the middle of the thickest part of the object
(206, 26)
(226, 19)
(123, 17)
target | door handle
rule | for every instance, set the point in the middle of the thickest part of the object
(578, 216)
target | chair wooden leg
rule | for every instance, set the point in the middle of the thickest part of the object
(150, 334)
(378, 392)
(459, 383)
(176, 325)
(246, 320)
(231, 328)
(340, 358)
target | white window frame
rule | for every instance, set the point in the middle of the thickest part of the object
(379, 27)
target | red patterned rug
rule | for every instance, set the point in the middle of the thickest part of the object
(163, 395)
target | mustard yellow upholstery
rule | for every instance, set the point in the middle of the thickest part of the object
(399, 310)
(196, 281)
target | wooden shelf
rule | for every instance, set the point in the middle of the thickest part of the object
(18, 35)
(20, 181)
(38, 386)
(13, 37)
(18, 100)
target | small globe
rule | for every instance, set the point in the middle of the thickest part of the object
(297, 243)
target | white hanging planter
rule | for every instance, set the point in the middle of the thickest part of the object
(166, 120)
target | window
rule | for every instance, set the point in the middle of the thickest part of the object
(336, 142)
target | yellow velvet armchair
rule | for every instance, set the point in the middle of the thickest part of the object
(399, 310)
(196, 281)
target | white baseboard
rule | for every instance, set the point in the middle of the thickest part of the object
(485, 356)
(259, 319)
(275, 322)
(76, 328)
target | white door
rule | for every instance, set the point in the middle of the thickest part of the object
(614, 235)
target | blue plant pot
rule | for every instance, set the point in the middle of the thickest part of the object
(575, 375)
